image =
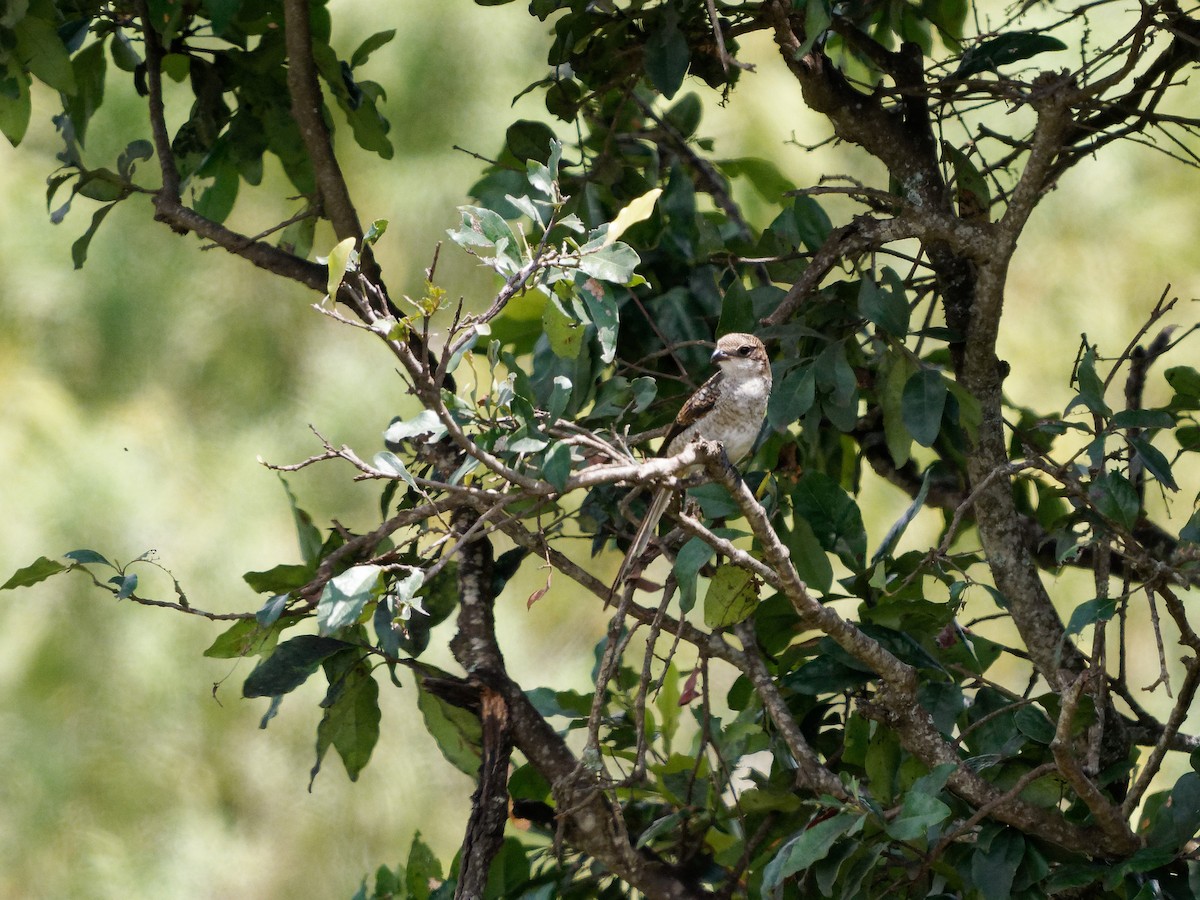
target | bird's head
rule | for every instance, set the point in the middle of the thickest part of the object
(737, 352)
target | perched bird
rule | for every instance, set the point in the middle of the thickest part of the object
(728, 408)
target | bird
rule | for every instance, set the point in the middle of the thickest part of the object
(729, 408)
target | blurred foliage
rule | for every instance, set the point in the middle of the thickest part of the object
(194, 367)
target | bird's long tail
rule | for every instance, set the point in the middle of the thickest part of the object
(641, 540)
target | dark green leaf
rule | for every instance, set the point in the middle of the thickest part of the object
(923, 401)
(666, 59)
(1191, 530)
(290, 665)
(994, 867)
(1155, 462)
(1006, 48)
(528, 140)
(79, 249)
(1143, 418)
(89, 68)
(1091, 612)
(882, 306)
(351, 720)
(793, 397)
(1091, 388)
(691, 558)
(833, 516)
(556, 466)
(38, 570)
(812, 565)
(88, 557)
(1115, 499)
(309, 536)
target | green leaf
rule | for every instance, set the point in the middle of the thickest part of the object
(994, 867)
(339, 262)
(457, 732)
(793, 397)
(732, 596)
(1091, 388)
(79, 249)
(891, 400)
(923, 401)
(290, 665)
(764, 176)
(38, 570)
(88, 558)
(972, 187)
(885, 308)
(89, 68)
(306, 532)
(688, 561)
(556, 465)
(833, 515)
(1115, 498)
(15, 108)
(613, 263)
(1185, 381)
(243, 638)
(351, 719)
(919, 814)
(1143, 418)
(423, 871)
(808, 846)
(528, 140)
(1091, 612)
(1155, 462)
(808, 556)
(564, 331)
(344, 597)
(1005, 48)
(666, 57)
(280, 579)
(41, 51)
(369, 46)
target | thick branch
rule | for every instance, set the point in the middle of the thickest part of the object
(306, 108)
(588, 821)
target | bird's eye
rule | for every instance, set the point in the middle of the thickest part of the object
(745, 350)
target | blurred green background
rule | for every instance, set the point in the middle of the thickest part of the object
(139, 392)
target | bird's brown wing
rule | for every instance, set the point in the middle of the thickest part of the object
(699, 404)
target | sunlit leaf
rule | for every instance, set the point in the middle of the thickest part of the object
(344, 597)
(732, 596)
(637, 210)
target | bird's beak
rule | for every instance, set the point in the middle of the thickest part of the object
(718, 356)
